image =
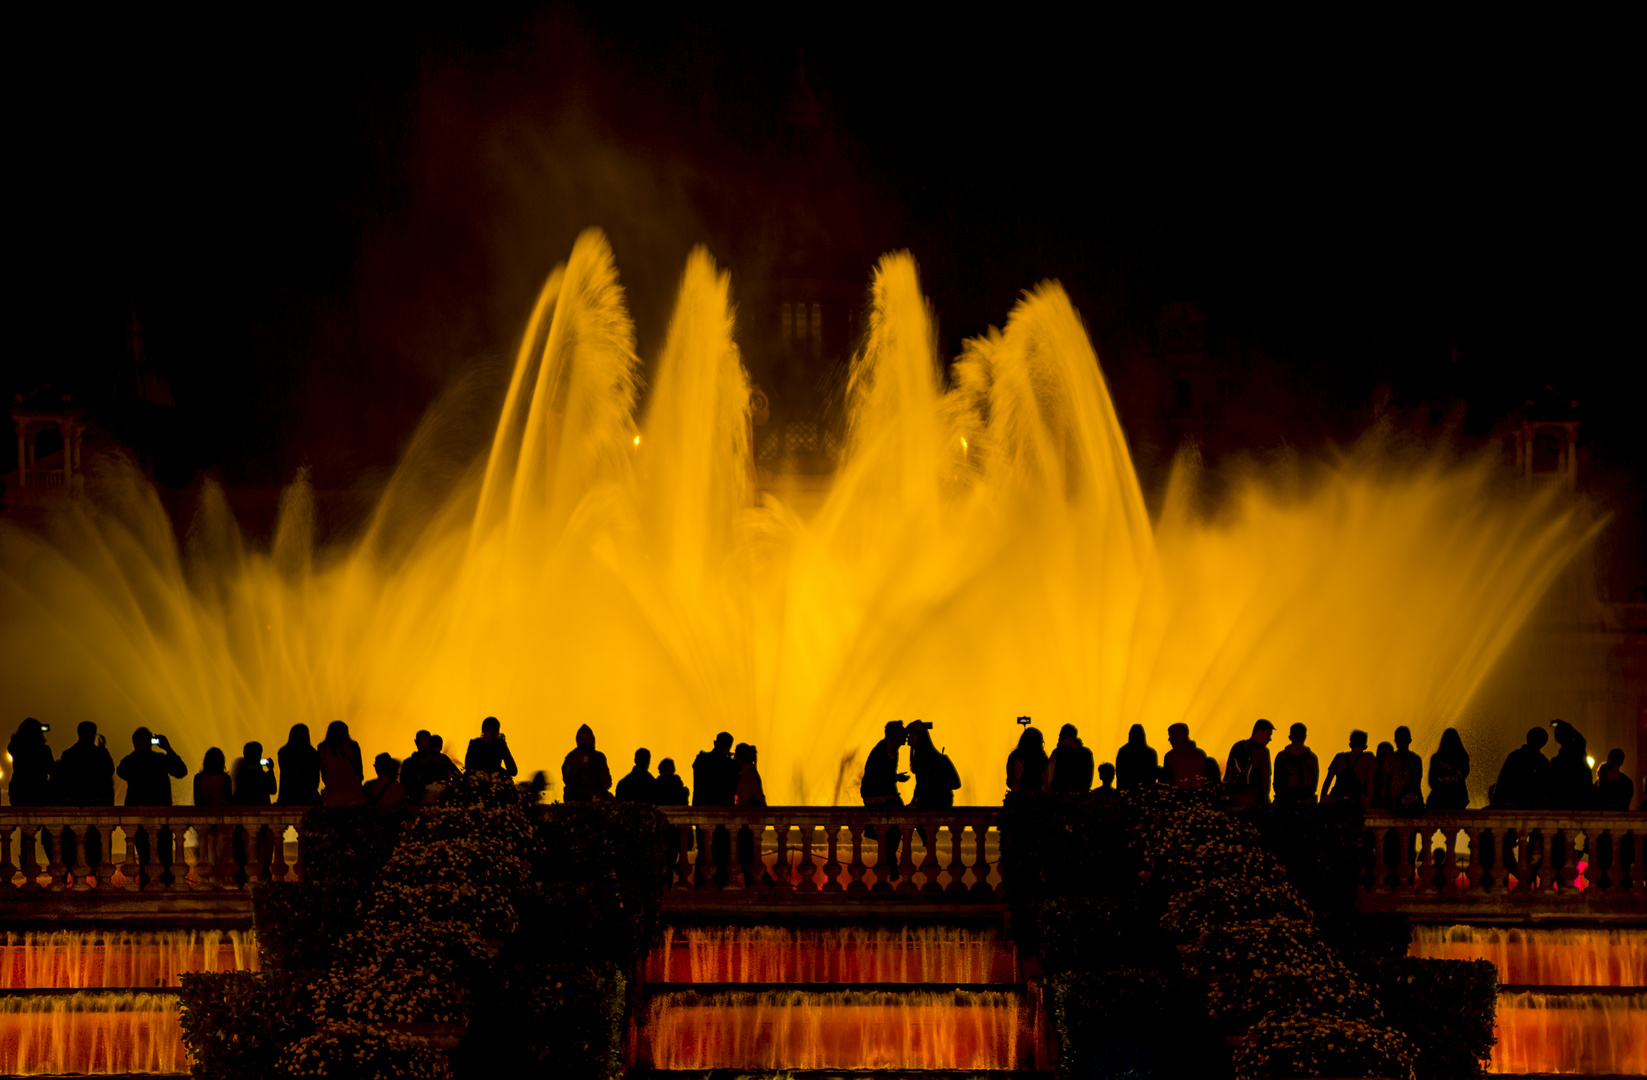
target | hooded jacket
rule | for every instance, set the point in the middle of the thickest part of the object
(584, 772)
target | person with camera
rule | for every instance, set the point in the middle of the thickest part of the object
(148, 772)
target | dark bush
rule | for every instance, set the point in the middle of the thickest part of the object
(1446, 1008)
(349, 843)
(237, 1023)
(568, 1017)
(1130, 1023)
(1093, 933)
(1324, 850)
(301, 924)
(1064, 846)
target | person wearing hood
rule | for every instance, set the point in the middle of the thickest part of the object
(1185, 765)
(584, 773)
(669, 789)
(1069, 766)
(1572, 785)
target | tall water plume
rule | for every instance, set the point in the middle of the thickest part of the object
(983, 552)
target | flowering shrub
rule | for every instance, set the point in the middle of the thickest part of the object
(1194, 913)
(403, 973)
(1281, 983)
(1232, 946)
(363, 1052)
(1287, 1045)
(236, 1023)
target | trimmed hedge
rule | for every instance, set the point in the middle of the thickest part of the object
(1110, 1025)
(1447, 1009)
(236, 1023)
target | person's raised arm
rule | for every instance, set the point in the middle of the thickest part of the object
(509, 768)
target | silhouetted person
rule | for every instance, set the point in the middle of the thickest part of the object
(879, 790)
(490, 753)
(85, 772)
(1069, 766)
(1614, 790)
(669, 789)
(715, 783)
(1381, 777)
(638, 784)
(1524, 779)
(1297, 772)
(750, 791)
(1185, 764)
(148, 772)
(584, 775)
(341, 767)
(1135, 763)
(32, 764)
(1106, 777)
(935, 775)
(1350, 775)
(299, 770)
(212, 786)
(387, 790)
(85, 777)
(435, 770)
(1026, 766)
(1449, 769)
(1572, 787)
(1247, 770)
(254, 777)
(411, 770)
(1406, 775)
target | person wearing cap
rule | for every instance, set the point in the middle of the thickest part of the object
(1247, 772)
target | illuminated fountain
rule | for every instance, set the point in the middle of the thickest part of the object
(984, 552)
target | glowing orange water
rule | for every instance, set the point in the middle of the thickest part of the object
(849, 954)
(97, 1033)
(983, 552)
(69, 959)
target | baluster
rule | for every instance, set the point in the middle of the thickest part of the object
(80, 870)
(855, 870)
(683, 865)
(278, 865)
(1449, 861)
(228, 867)
(1481, 860)
(1635, 873)
(832, 861)
(8, 869)
(27, 834)
(929, 858)
(56, 871)
(1381, 867)
(1565, 863)
(956, 865)
(1523, 841)
(980, 857)
(807, 867)
(780, 861)
(299, 872)
(1603, 857)
(1404, 858)
(129, 870)
(906, 857)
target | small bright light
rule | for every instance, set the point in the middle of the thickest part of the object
(637, 440)
(963, 444)
(1592, 761)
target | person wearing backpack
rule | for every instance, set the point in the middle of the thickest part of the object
(1296, 770)
(1350, 776)
(1247, 771)
(935, 775)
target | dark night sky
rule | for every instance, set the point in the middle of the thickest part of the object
(321, 224)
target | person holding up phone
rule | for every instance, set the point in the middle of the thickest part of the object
(148, 772)
(490, 753)
(254, 777)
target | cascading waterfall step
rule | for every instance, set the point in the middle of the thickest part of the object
(840, 1074)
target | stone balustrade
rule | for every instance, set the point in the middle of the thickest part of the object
(825, 853)
(1537, 863)
(231, 847)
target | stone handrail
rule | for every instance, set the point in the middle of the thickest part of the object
(234, 847)
(819, 851)
(1512, 857)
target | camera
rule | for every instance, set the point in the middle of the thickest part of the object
(45, 727)
(1024, 720)
(154, 740)
(266, 762)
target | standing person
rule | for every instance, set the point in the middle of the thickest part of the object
(1247, 771)
(490, 752)
(386, 791)
(1135, 763)
(1571, 783)
(1296, 770)
(32, 763)
(85, 777)
(1069, 766)
(669, 789)
(750, 793)
(1614, 790)
(715, 783)
(1106, 777)
(1524, 781)
(1406, 775)
(299, 770)
(1381, 777)
(584, 774)
(341, 767)
(1350, 776)
(1185, 765)
(212, 787)
(1449, 768)
(435, 770)
(148, 772)
(411, 777)
(879, 789)
(1026, 767)
(254, 777)
(935, 775)
(639, 785)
